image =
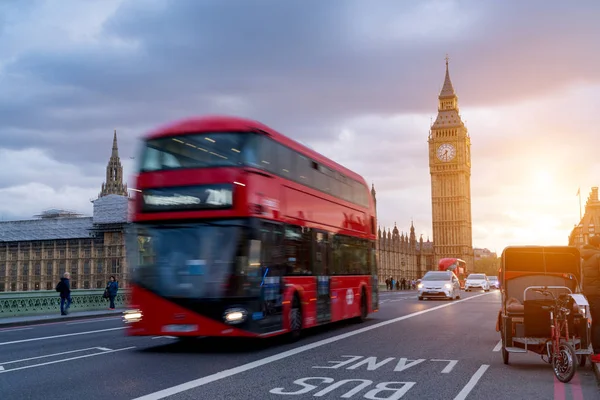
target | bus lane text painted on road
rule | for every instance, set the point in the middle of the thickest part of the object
(320, 386)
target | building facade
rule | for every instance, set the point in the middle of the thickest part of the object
(400, 255)
(483, 253)
(586, 228)
(34, 254)
(450, 169)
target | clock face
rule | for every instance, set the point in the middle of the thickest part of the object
(446, 152)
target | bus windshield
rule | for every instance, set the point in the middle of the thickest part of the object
(200, 150)
(193, 261)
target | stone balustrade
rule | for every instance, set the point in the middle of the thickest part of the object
(39, 302)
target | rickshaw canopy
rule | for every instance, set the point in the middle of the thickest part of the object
(540, 260)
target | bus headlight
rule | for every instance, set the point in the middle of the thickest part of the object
(130, 316)
(235, 316)
(420, 286)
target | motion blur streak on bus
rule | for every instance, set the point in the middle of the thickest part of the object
(240, 231)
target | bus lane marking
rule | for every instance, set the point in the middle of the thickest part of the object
(396, 392)
(161, 394)
(373, 364)
(3, 370)
(60, 336)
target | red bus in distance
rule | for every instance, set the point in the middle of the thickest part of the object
(456, 265)
(238, 230)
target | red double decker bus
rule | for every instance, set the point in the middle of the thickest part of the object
(456, 265)
(238, 230)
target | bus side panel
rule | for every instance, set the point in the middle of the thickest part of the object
(345, 296)
(306, 286)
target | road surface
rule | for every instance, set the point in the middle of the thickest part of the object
(422, 349)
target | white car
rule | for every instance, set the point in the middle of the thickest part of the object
(477, 281)
(439, 284)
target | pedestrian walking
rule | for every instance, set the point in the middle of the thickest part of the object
(590, 254)
(64, 288)
(112, 288)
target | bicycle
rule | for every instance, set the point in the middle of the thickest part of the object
(561, 354)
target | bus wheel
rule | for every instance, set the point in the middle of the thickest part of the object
(295, 318)
(364, 307)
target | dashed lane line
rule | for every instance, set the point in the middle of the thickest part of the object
(472, 382)
(65, 360)
(498, 346)
(61, 336)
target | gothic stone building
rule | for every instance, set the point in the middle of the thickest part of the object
(581, 233)
(400, 255)
(35, 253)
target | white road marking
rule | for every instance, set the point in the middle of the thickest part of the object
(472, 382)
(66, 359)
(449, 367)
(161, 394)
(164, 337)
(60, 336)
(94, 320)
(104, 348)
(498, 346)
(52, 355)
(14, 330)
(1, 368)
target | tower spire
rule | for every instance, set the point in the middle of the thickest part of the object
(447, 88)
(115, 148)
(114, 173)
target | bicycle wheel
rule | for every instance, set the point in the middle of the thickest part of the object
(564, 363)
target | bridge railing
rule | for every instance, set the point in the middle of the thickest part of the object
(40, 302)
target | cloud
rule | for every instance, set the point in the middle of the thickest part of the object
(23, 201)
(356, 81)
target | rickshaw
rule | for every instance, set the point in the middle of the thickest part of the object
(543, 309)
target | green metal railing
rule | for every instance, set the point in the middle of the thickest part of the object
(39, 302)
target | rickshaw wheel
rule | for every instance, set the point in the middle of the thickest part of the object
(564, 367)
(505, 354)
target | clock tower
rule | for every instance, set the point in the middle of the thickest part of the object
(450, 169)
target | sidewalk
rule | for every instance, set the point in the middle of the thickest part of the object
(42, 319)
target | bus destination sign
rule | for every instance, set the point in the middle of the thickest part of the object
(206, 197)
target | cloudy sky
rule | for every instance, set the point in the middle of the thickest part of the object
(356, 80)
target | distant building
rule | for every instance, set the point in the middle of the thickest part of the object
(400, 255)
(586, 228)
(35, 253)
(484, 253)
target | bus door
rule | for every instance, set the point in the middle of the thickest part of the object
(321, 257)
(270, 314)
(374, 278)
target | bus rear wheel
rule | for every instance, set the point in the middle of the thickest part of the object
(295, 319)
(364, 306)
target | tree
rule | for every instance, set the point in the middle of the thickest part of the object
(487, 265)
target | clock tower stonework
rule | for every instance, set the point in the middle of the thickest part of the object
(450, 169)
